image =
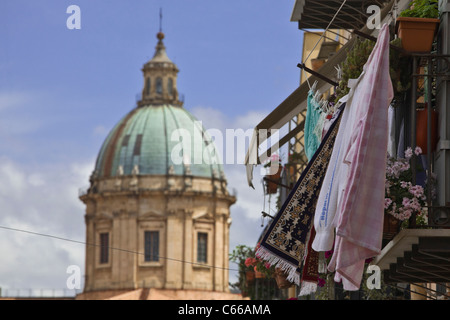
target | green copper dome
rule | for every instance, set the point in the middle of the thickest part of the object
(158, 140)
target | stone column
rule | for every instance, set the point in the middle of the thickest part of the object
(90, 253)
(188, 250)
(174, 247)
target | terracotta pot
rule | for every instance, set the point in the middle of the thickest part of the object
(249, 276)
(422, 132)
(281, 279)
(271, 183)
(417, 34)
(391, 226)
(259, 275)
(316, 64)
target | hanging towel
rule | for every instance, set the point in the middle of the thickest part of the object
(360, 213)
(285, 242)
(313, 111)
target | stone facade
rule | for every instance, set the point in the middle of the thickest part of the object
(179, 209)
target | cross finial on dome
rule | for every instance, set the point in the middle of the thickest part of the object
(160, 34)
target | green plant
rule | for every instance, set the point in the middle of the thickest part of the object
(239, 256)
(296, 157)
(357, 57)
(422, 9)
(263, 266)
(353, 65)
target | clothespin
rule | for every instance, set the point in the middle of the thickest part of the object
(339, 72)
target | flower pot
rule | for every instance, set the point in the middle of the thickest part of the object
(316, 64)
(259, 275)
(417, 34)
(391, 226)
(281, 279)
(272, 181)
(422, 132)
(249, 276)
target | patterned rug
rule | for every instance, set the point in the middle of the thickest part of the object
(285, 242)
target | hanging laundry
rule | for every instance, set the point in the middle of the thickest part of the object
(333, 184)
(360, 211)
(329, 117)
(313, 112)
(285, 242)
(318, 129)
(310, 272)
(391, 142)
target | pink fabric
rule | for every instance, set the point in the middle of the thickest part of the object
(360, 213)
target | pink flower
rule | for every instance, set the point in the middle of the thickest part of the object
(387, 203)
(408, 153)
(248, 262)
(417, 191)
(267, 265)
(405, 202)
(328, 254)
(418, 151)
(404, 184)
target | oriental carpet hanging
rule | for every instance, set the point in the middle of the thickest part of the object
(285, 242)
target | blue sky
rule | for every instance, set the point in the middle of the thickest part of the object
(62, 90)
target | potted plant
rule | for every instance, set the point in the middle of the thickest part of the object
(273, 176)
(417, 25)
(243, 256)
(316, 64)
(261, 268)
(402, 198)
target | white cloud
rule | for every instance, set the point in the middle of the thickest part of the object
(41, 200)
(36, 180)
(100, 131)
(18, 114)
(211, 118)
(9, 100)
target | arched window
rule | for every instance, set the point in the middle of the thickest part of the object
(159, 86)
(170, 86)
(147, 86)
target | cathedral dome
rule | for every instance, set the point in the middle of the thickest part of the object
(159, 136)
(158, 140)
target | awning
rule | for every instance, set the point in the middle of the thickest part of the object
(289, 108)
(316, 14)
(296, 102)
